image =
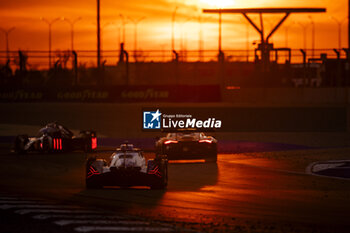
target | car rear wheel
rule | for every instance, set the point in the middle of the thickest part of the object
(93, 166)
(92, 185)
(162, 182)
(20, 142)
(88, 136)
(45, 146)
(212, 156)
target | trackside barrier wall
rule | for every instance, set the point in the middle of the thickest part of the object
(287, 96)
(252, 110)
(115, 94)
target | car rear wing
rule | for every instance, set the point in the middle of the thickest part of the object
(187, 130)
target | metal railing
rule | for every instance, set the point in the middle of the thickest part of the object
(39, 59)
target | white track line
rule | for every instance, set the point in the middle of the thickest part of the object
(123, 229)
(321, 167)
(309, 168)
(66, 216)
(30, 211)
(102, 222)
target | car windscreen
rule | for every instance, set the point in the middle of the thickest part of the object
(187, 135)
(47, 131)
(128, 155)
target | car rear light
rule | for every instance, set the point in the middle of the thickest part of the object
(93, 143)
(205, 140)
(92, 171)
(155, 171)
(57, 143)
(170, 141)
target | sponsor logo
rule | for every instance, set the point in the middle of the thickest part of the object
(165, 121)
(210, 123)
(149, 93)
(152, 119)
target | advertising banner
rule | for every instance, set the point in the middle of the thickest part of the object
(182, 93)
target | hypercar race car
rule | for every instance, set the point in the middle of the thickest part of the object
(127, 167)
(55, 137)
(187, 146)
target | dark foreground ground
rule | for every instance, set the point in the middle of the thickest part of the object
(253, 192)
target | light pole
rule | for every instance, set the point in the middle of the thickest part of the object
(304, 27)
(98, 35)
(247, 38)
(182, 35)
(200, 38)
(220, 31)
(119, 35)
(124, 22)
(72, 23)
(339, 23)
(7, 32)
(313, 35)
(163, 51)
(102, 27)
(49, 23)
(173, 30)
(286, 34)
(200, 35)
(136, 22)
(101, 35)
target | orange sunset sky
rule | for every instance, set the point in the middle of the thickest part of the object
(155, 30)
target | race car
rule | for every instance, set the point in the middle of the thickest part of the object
(188, 145)
(55, 137)
(126, 168)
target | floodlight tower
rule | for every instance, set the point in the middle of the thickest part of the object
(50, 23)
(7, 32)
(72, 23)
(135, 22)
(173, 29)
(98, 35)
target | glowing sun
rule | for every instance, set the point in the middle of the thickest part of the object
(219, 3)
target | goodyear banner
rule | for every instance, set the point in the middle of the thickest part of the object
(183, 93)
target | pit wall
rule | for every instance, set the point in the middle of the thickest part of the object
(287, 96)
(298, 109)
(290, 97)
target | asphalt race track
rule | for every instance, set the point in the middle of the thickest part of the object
(256, 185)
(238, 194)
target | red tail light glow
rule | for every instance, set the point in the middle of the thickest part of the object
(92, 171)
(170, 141)
(93, 143)
(205, 140)
(155, 171)
(57, 143)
